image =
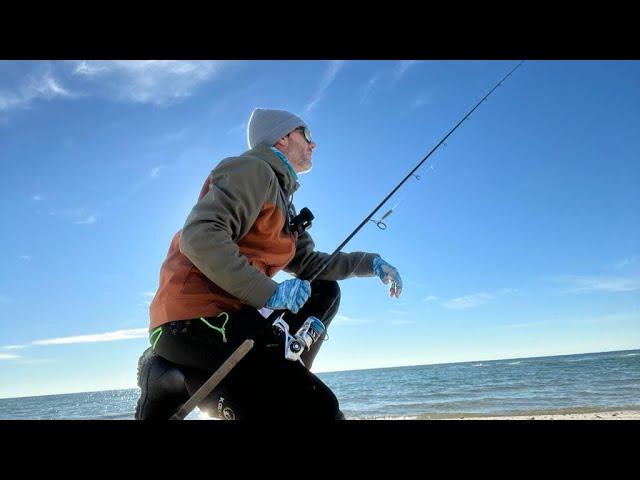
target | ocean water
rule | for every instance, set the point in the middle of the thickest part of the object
(561, 384)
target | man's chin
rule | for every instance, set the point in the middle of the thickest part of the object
(306, 170)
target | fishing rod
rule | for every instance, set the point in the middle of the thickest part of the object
(411, 173)
(276, 313)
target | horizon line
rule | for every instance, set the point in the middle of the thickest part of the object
(353, 370)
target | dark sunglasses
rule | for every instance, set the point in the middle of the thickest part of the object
(306, 133)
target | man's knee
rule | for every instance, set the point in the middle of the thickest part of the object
(327, 288)
(328, 293)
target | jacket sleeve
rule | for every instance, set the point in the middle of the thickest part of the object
(344, 265)
(238, 190)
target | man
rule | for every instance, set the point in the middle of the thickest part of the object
(216, 280)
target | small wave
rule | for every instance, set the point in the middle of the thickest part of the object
(631, 355)
(478, 365)
(514, 363)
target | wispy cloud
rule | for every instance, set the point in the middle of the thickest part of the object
(8, 356)
(79, 216)
(147, 297)
(421, 100)
(593, 284)
(90, 220)
(41, 86)
(155, 171)
(67, 212)
(97, 337)
(4, 299)
(367, 90)
(238, 128)
(402, 68)
(37, 198)
(329, 76)
(26, 257)
(632, 260)
(14, 347)
(468, 301)
(344, 320)
(158, 82)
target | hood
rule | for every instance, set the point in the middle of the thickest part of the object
(288, 184)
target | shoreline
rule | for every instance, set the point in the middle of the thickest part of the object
(604, 415)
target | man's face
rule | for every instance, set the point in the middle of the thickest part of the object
(300, 151)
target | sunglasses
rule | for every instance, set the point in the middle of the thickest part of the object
(306, 133)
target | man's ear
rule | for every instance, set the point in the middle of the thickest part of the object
(282, 142)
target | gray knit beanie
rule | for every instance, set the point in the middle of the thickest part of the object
(266, 126)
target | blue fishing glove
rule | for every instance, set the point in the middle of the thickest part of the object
(386, 272)
(290, 295)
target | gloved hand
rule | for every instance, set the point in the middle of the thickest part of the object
(386, 272)
(290, 294)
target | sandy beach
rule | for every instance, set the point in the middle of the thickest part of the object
(613, 415)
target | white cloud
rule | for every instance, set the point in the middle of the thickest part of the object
(422, 100)
(8, 356)
(147, 300)
(367, 90)
(506, 291)
(238, 128)
(36, 87)
(37, 198)
(97, 337)
(13, 347)
(467, 301)
(79, 216)
(402, 68)
(90, 220)
(158, 82)
(592, 284)
(155, 171)
(329, 76)
(344, 320)
(25, 257)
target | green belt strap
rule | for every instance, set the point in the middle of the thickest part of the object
(157, 333)
(221, 330)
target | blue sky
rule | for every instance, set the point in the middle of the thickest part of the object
(521, 237)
